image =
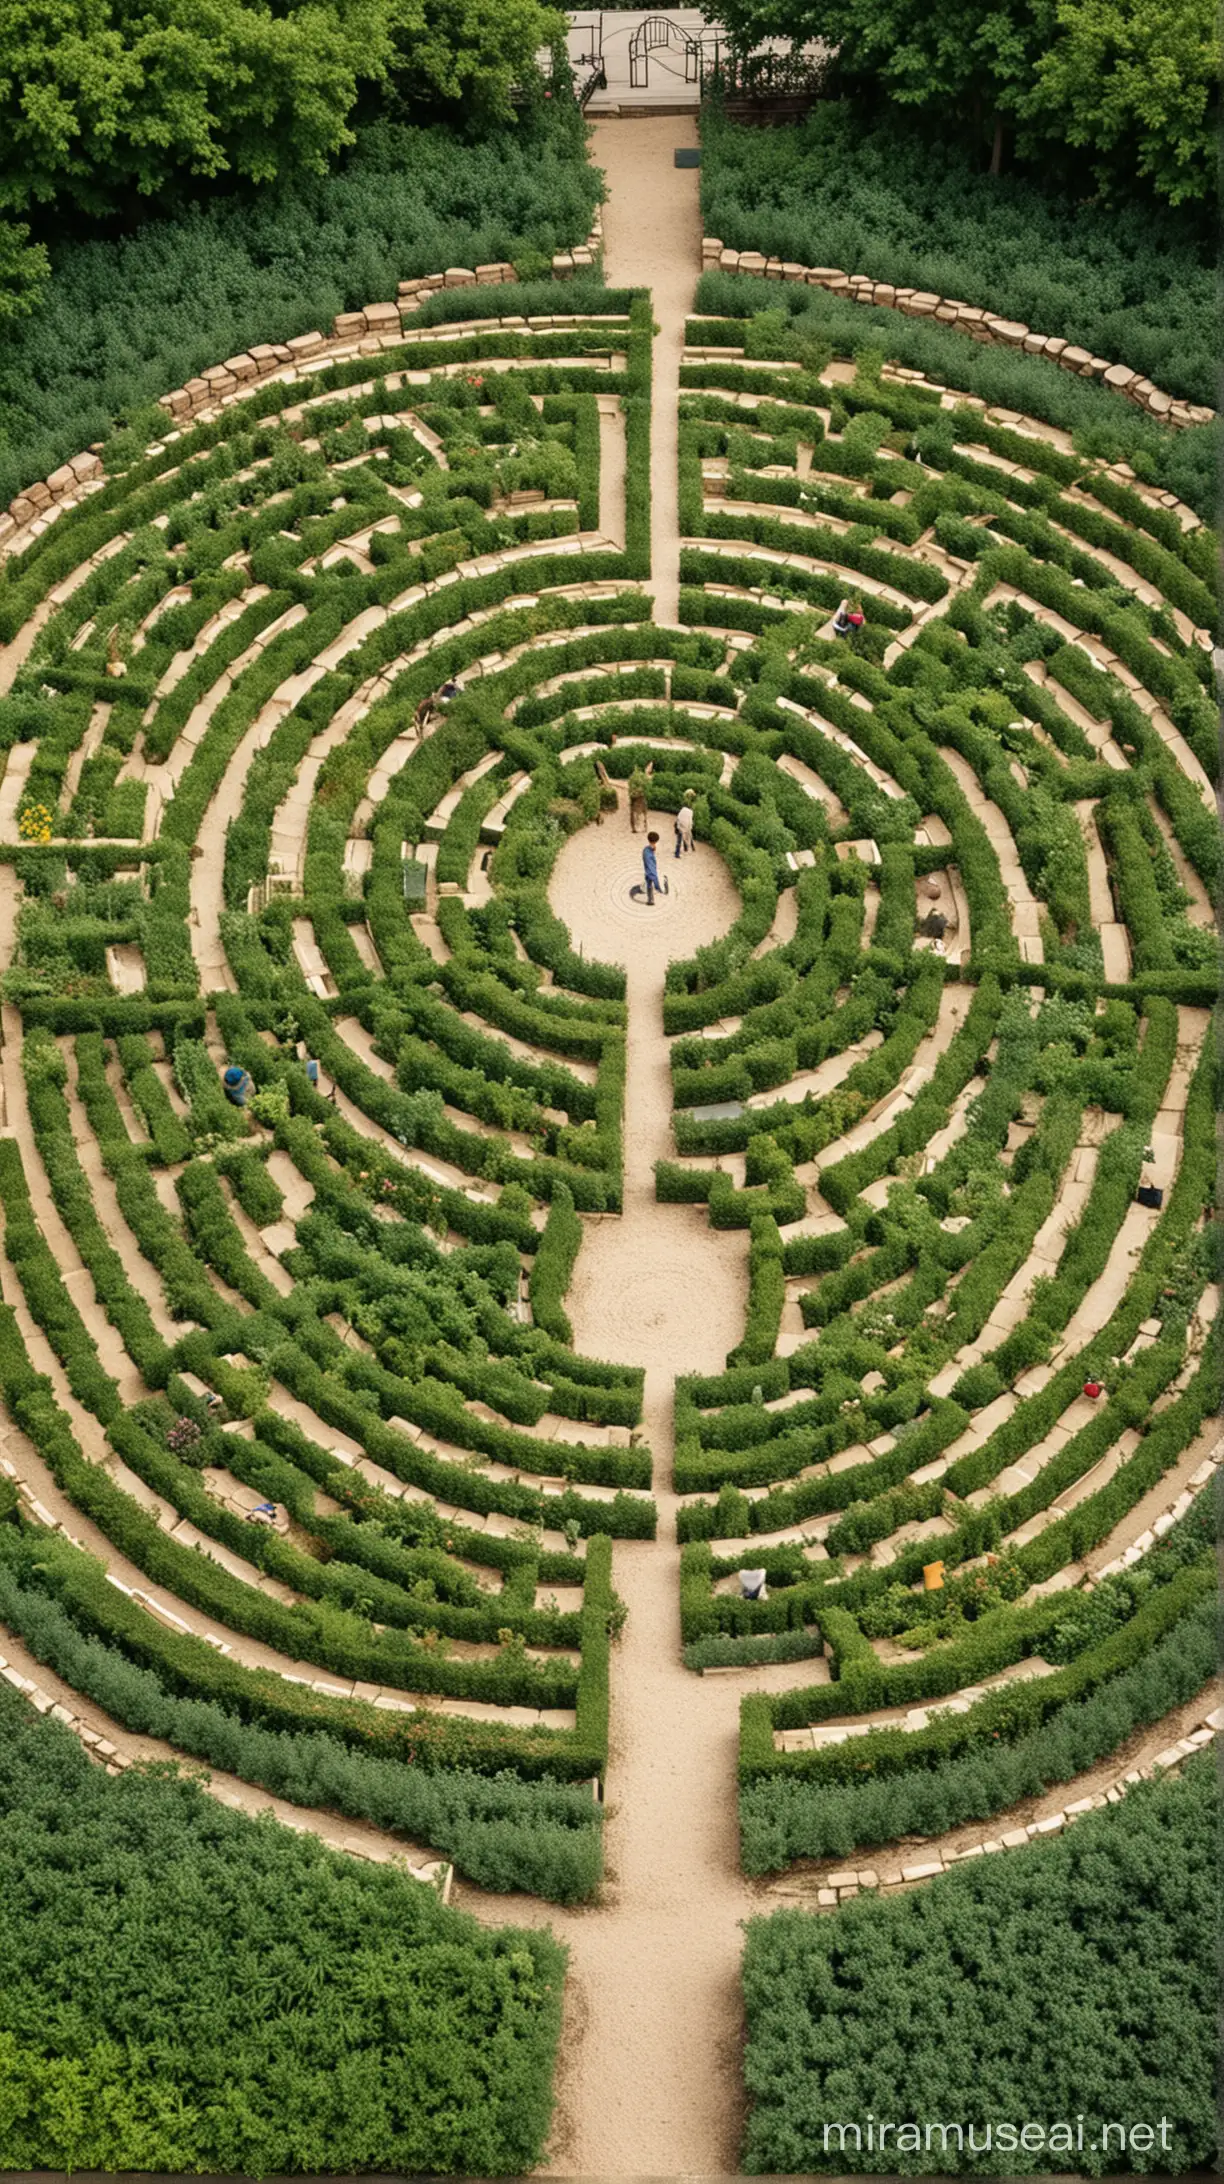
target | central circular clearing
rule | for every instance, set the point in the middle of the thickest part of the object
(597, 868)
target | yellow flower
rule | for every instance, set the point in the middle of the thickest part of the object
(35, 823)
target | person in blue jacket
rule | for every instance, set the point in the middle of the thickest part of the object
(650, 870)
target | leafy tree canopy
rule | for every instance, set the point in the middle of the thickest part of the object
(1136, 83)
(105, 103)
(468, 50)
(1133, 84)
(23, 269)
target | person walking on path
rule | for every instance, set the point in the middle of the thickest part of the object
(650, 881)
(684, 827)
(639, 787)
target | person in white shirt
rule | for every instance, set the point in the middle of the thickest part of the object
(684, 827)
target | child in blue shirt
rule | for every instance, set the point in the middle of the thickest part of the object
(650, 869)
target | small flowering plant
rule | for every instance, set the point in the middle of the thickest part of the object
(35, 823)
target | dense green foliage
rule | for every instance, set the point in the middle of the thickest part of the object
(1128, 93)
(161, 2005)
(1072, 1979)
(104, 100)
(501, 1831)
(872, 195)
(125, 319)
(1156, 1649)
(113, 108)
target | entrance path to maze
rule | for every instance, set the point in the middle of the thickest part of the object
(649, 2080)
(652, 240)
(653, 2086)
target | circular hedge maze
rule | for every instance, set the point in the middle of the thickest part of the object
(302, 703)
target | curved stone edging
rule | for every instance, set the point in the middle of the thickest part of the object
(353, 333)
(968, 318)
(839, 1887)
(356, 1839)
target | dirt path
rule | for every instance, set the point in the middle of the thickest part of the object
(652, 2087)
(652, 239)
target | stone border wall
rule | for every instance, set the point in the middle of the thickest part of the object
(969, 319)
(353, 333)
(840, 1887)
(439, 1873)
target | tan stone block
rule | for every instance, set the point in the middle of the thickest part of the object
(348, 324)
(1074, 360)
(381, 317)
(461, 276)
(62, 480)
(242, 367)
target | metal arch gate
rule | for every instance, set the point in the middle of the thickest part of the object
(651, 36)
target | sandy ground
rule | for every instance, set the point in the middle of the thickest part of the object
(652, 2085)
(652, 239)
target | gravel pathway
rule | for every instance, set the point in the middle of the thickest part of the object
(652, 2086)
(652, 239)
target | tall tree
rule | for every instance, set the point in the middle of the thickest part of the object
(1133, 84)
(103, 101)
(469, 51)
(1136, 84)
